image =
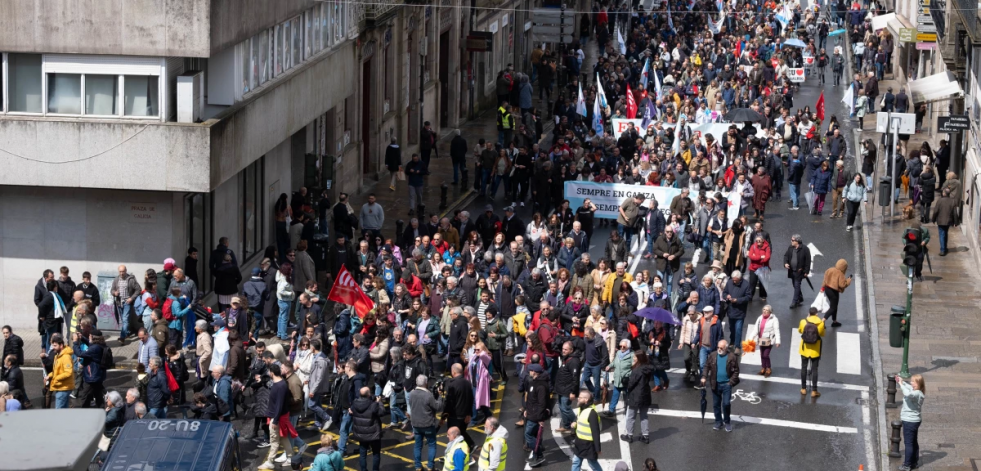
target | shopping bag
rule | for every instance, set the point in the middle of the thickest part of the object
(809, 197)
(400, 176)
(763, 274)
(821, 302)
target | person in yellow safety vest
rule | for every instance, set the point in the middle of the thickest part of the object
(494, 453)
(457, 457)
(505, 125)
(587, 443)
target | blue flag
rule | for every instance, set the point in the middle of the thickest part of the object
(597, 116)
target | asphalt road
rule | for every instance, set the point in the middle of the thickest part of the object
(830, 432)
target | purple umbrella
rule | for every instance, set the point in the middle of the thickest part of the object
(658, 314)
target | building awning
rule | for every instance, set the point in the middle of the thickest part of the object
(936, 87)
(879, 22)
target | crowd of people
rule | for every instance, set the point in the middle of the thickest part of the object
(462, 305)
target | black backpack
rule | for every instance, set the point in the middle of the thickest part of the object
(108, 362)
(810, 334)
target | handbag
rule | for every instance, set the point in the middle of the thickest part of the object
(400, 175)
(821, 302)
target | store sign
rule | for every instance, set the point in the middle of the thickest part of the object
(926, 37)
(480, 41)
(926, 46)
(907, 35)
(953, 123)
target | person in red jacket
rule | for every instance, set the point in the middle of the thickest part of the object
(759, 258)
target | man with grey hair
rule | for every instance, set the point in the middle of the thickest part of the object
(493, 454)
(738, 292)
(132, 397)
(140, 412)
(420, 267)
(157, 389)
(424, 407)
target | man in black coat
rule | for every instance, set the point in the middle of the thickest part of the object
(344, 218)
(12, 345)
(738, 292)
(512, 226)
(393, 159)
(427, 142)
(41, 288)
(458, 336)
(341, 254)
(537, 410)
(567, 386)
(459, 403)
(797, 261)
(487, 225)
(412, 230)
(458, 154)
(366, 427)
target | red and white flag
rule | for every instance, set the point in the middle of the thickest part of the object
(347, 291)
(820, 107)
(631, 104)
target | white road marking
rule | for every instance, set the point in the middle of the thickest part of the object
(606, 437)
(849, 353)
(622, 429)
(752, 358)
(794, 349)
(776, 379)
(814, 253)
(867, 430)
(759, 420)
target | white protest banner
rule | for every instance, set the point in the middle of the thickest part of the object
(796, 75)
(717, 130)
(808, 60)
(609, 196)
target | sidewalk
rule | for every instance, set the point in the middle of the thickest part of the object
(945, 345)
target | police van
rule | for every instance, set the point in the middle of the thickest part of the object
(174, 444)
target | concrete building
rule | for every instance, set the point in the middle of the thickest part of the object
(131, 131)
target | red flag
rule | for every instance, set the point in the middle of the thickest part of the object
(347, 291)
(631, 104)
(820, 107)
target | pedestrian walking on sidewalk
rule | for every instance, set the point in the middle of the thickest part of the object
(393, 160)
(811, 330)
(943, 214)
(839, 180)
(720, 375)
(820, 185)
(913, 394)
(854, 195)
(833, 285)
(766, 334)
(414, 171)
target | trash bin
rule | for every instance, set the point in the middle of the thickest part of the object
(896, 316)
(885, 190)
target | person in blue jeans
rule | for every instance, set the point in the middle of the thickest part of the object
(424, 422)
(720, 374)
(910, 415)
(795, 173)
(714, 331)
(623, 360)
(284, 298)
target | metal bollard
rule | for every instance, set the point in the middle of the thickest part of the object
(399, 227)
(443, 189)
(895, 439)
(891, 392)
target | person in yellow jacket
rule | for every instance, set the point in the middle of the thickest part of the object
(610, 286)
(494, 452)
(811, 331)
(457, 457)
(61, 379)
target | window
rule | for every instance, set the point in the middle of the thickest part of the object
(24, 80)
(325, 26)
(336, 23)
(308, 35)
(253, 202)
(297, 37)
(263, 57)
(388, 71)
(101, 95)
(278, 50)
(140, 95)
(65, 93)
(198, 211)
(349, 115)
(246, 55)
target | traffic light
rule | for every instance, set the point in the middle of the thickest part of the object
(912, 249)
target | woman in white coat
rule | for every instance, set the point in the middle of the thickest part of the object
(766, 334)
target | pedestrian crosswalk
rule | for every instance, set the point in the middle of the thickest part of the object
(848, 352)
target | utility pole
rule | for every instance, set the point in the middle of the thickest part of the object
(904, 369)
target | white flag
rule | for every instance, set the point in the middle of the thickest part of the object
(657, 85)
(581, 103)
(849, 98)
(623, 45)
(600, 93)
(716, 27)
(597, 117)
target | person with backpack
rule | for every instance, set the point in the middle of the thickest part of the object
(145, 303)
(811, 331)
(173, 312)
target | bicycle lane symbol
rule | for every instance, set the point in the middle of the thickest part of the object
(750, 397)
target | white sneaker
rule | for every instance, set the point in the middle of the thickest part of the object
(267, 465)
(522, 204)
(280, 459)
(848, 228)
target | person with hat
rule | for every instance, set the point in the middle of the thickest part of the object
(709, 334)
(536, 412)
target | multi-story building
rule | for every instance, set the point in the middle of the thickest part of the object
(131, 130)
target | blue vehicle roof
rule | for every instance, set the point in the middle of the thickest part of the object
(170, 444)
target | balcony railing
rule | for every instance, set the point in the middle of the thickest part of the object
(368, 14)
